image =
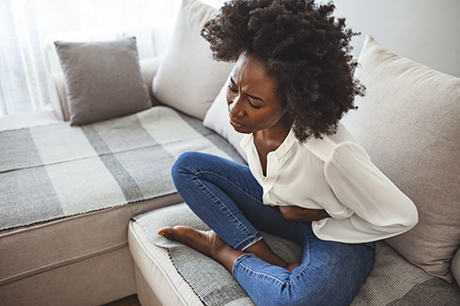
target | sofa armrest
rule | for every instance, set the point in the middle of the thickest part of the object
(26, 120)
(58, 95)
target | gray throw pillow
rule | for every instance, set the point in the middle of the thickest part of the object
(103, 79)
(409, 124)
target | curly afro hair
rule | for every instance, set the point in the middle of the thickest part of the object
(303, 46)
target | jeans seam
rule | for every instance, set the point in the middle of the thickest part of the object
(266, 275)
(230, 182)
(307, 263)
(251, 243)
(223, 204)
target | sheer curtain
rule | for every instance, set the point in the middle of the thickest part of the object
(28, 29)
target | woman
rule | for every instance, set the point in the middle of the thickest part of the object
(289, 88)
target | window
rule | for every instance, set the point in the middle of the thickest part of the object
(28, 29)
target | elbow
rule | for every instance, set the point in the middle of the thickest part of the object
(414, 218)
(400, 221)
(410, 216)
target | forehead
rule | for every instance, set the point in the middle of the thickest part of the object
(249, 71)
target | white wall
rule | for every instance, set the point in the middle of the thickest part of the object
(426, 31)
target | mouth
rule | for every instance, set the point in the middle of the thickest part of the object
(236, 124)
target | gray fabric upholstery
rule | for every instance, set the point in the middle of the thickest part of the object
(103, 79)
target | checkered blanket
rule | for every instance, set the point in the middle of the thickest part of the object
(53, 171)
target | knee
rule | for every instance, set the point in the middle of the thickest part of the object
(182, 163)
(185, 165)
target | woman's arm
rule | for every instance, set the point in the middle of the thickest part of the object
(300, 214)
(380, 209)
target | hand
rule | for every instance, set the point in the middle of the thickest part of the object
(299, 214)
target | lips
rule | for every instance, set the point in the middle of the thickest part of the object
(236, 124)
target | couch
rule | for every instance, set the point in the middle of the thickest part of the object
(84, 189)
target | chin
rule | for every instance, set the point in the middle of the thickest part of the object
(241, 130)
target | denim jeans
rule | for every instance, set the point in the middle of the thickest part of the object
(225, 196)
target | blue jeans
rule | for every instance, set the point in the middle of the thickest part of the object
(226, 196)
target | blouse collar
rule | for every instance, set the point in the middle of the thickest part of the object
(248, 140)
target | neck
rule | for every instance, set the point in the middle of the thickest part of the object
(278, 132)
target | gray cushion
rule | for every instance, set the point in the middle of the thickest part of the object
(393, 281)
(210, 281)
(103, 79)
(409, 124)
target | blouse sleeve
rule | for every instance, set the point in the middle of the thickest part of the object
(380, 209)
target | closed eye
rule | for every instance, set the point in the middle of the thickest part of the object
(255, 98)
(252, 105)
(230, 87)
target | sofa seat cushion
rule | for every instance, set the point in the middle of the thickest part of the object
(179, 275)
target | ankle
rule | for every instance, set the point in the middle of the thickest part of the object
(264, 252)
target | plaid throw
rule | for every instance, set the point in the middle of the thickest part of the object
(53, 171)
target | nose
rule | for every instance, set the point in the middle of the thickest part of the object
(236, 108)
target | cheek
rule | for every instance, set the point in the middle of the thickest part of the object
(270, 117)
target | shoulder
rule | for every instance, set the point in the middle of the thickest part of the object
(342, 143)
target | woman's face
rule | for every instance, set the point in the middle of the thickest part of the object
(253, 104)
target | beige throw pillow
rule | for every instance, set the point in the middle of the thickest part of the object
(409, 123)
(188, 78)
(455, 267)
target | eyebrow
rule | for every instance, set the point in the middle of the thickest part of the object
(251, 96)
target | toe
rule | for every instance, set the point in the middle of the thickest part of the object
(164, 231)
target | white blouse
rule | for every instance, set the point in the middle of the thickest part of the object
(363, 203)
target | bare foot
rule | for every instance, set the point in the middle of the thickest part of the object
(208, 243)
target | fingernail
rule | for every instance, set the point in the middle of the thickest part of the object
(161, 233)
